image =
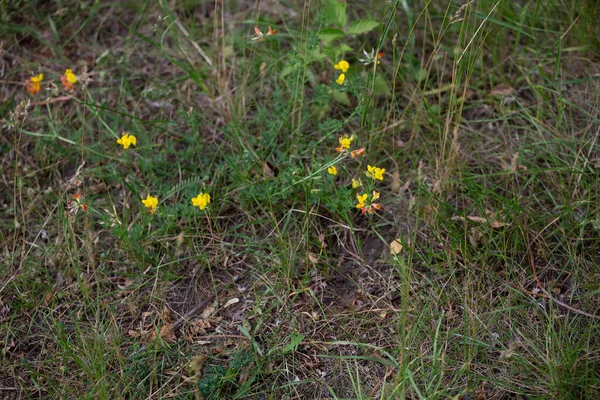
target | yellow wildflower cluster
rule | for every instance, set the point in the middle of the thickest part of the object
(68, 79)
(367, 205)
(33, 84)
(375, 173)
(343, 66)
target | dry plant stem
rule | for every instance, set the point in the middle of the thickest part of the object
(50, 101)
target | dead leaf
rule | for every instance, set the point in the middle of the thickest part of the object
(167, 333)
(209, 311)
(123, 282)
(493, 223)
(267, 170)
(179, 239)
(133, 333)
(475, 237)
(503, 90)
(231, 301)
(396, 247)
(313, 257)
(166, 314)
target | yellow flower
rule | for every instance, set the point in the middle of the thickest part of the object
(332, 170)
(127, 140)
(361, 200)
(375, 173)
(37, 78)
(151, 202)
(345, 143)
(33, 83)
(68, 79)
(70, 76)
(356, 184)
(342, 66)
(340, 80)
(368, 206)
(202, 200)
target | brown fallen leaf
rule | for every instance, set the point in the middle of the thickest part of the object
(493, 223)
(502, 89)
(167, 333)
(231, 301)
(209, 311)
(396, 247)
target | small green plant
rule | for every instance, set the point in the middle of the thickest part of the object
(229, 380)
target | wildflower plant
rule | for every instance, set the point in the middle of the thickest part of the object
(33, 84)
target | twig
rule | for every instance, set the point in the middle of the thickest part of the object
(54, 100)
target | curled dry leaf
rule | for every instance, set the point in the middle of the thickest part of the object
(502, 89)
(231, 301)
(123, 282)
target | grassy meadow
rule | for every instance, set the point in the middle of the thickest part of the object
(300, 200)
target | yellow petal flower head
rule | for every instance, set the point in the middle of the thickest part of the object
(33, 83)
(345, 142)
(356, 184)
(340, 80)
(342, 66)
(127, 140)
(151, 202)
(375, 173)
(68, 79)
(361, 200)
(201, 201)
(332, 170)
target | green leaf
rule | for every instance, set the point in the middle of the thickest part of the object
(341, 97)
(292, 346)
(344, 47)
(362, 26)
(328, 35)
(381, 86)
(335, 12)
